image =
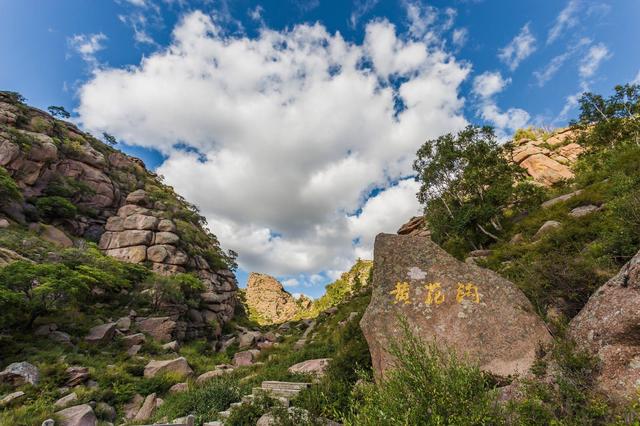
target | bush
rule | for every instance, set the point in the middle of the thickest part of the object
(56, 207)
(428, 386)
(9, 190)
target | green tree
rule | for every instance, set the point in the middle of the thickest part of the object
(30, 290)
(109, 138)
(58, 111)
(56, 207)
(467, 183)
(9, 190)
(611, 119)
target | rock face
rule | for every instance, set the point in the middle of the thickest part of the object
(548, 161)
(608, 327)
(122, 205)
(269, 299)
(459, 306)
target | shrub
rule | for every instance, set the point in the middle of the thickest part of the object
(428, 386)
(177, 288)
(56, 207)
(9, 190)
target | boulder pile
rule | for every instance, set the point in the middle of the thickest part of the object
(269, 299)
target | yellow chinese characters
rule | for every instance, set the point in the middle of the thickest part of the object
(434, 294)
(401, 293)
(467, 291)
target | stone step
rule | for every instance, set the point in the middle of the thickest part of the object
(216, 423)
(248, 398)
(235, 404)
(285, 385)
(286, 393)
(224, 414)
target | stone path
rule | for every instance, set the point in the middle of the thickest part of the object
(283, 392)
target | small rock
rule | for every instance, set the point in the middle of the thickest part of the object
(60, 337)
(247, 339)
(245, 358)
(560, 199)
(160, 328)
(106, 411)
(213, 373)
(123, 324)
(45, 330)
(55, 236)
(583, 210)
(171, 346)
(66, 400)
(178, 366)
(4, 223)
(134, 339)
(20, 373)
(77, 375)
(102, 333)
(147, 409)
(79, 415)
(179, 387)
(132, 408)
(546, 228)
(11, 398)
(516, 239)
(133, 350)
(313, 366)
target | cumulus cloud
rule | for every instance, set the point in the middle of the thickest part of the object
(489, 83)
(518, 49)
(566, 19)
(293, 130)
(591, 62)
(87, 45)
(545, 74)
(361, 8)
(459, 37)
(486, 86)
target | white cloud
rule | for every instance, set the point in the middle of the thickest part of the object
(591, 62)
(518, 49)
(361, 8)
(296, 127)
(565, 20)
(291, 282)
(544, 75)
(486, 86)
(459, 37)
(87, 45)
(489, 83)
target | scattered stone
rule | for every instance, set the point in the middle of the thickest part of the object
(560, 199)
(49, 422)
(134, 339)
(316, 367)
(76, 375)
(133, 350)
(60, 337)
(106, 411)
(246, 340)
(179, 387)
(148, 407)
(607, 328)
(45, 329)
(19, 373)
(227, 343)
(464, 307)
(171, 346)
(123, 324)
(178, 366)
(102, 333)
(11, 398)
(245, 358)
(517, 238)
(4, 223)
(79, 415)
(160, 328)
(211, 374)
(583, 210)
(546, 228)
(132, 408)
(55, 236)
(66, 400)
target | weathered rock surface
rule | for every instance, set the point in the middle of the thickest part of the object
(417, 225)
(459, 306)
(102, 333)
(148, 407)
(269, 299)
(546, 228)
(66, 400)
(547, 161)
(178, 366)
(608, 327)
(11, 398)
(245, 358)
(20, 373)
(79, 415)
(160, 328)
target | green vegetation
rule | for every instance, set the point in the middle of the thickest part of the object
(469, 189)
(56, 207)
(530, 133)
(58, 111)
(9, 190)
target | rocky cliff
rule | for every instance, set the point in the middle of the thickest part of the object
(269, 301)
(74, 187)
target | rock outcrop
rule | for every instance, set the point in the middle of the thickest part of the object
(19, 373)
(133, 215)
(608, 327)
(266, 296)
(549, 160)
(417, 225)
(456, 305)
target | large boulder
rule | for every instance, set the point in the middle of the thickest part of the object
(459, 306)
(79, 415)
(19, 373)
(312, 366)
(269, 299)
(178, 367)
(102, 333)
(160, 328)
(608, 327)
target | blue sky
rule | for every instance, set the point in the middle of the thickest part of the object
(301, 117)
